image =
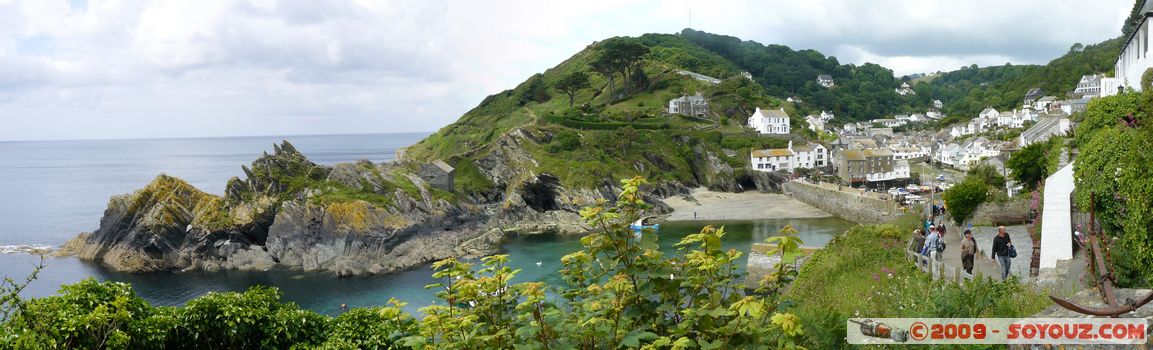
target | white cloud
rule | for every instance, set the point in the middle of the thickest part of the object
(135, 68)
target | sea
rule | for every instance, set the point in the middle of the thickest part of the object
(52, 190)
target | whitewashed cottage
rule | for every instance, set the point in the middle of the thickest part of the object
(773, 121)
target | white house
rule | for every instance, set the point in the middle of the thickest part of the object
(900, 169)
(947, 154)
(773, 121)
(694, 106)
(937, 104)
(988, 113)
(810, 155)
(905, 89)
(1134, 58)
(816, 124)
(891, 123)
(772, 159)
(908, 152)
(933, 114)
(1042, 104)
(825, 80)
(826, 115)
(1090, 85)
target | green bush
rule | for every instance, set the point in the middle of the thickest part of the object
(962, 200)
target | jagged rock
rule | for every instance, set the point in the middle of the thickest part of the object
(285, 214)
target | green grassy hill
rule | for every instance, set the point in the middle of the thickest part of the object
(603, 137)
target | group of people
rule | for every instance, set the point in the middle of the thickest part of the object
(931, 242)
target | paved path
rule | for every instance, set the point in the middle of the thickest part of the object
(983, 264)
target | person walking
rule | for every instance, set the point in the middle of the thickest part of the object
(918, 244)
(1001, 245)
(968, 252)
(931, 244)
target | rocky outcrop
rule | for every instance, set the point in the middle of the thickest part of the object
(362, 218)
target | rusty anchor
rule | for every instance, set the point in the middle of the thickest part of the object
(1105, 284)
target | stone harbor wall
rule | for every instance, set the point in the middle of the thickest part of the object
(847, 203)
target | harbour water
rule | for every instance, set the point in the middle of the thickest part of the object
(53, 190)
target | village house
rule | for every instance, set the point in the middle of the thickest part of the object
(870, 165)
(1032, 95)
(907, 152)
(810, 155)
(1090, 85)
(807, 156)
(934, 114)
(825, 80)
(438, 174)
(1043, 103)
(815, 123)
(773, 121)
(905, 89)
(747, 75)
(1134, 57)
(772, 159)
(694, 106)
(889, 123)
(937, 104)
(1073, 106)
(988, 113)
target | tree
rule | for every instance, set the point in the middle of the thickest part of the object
(988, 175)
(963, 199)
(1028, 166)
(1135, 17)
(572, 84)
(603, 65)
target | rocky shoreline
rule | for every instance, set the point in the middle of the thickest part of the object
(348, 219)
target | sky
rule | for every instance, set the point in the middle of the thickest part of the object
(108, 69)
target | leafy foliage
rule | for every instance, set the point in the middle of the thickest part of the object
(963, 199)
(1028, 165)
(1112, 175)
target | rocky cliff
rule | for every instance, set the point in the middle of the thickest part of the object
(350, 218)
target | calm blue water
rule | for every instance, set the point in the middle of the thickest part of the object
(50, 191)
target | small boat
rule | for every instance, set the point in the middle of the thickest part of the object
(643, 224)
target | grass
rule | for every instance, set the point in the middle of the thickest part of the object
(863, 273)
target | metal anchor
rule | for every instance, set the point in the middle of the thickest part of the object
(1105, 285)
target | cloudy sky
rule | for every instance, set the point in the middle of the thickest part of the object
(100, 69)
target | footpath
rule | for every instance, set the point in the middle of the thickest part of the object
(983, 265)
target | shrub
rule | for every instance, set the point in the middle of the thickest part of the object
(963, 199)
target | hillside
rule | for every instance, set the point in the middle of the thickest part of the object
(965, 92)
(518, 134)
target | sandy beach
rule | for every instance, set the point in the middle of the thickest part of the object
(750, 205)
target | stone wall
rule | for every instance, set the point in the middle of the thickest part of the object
(989, 214)
(849, 204)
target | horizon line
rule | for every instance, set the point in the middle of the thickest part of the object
(213, 137)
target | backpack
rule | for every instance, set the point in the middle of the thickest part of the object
(940, 246)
